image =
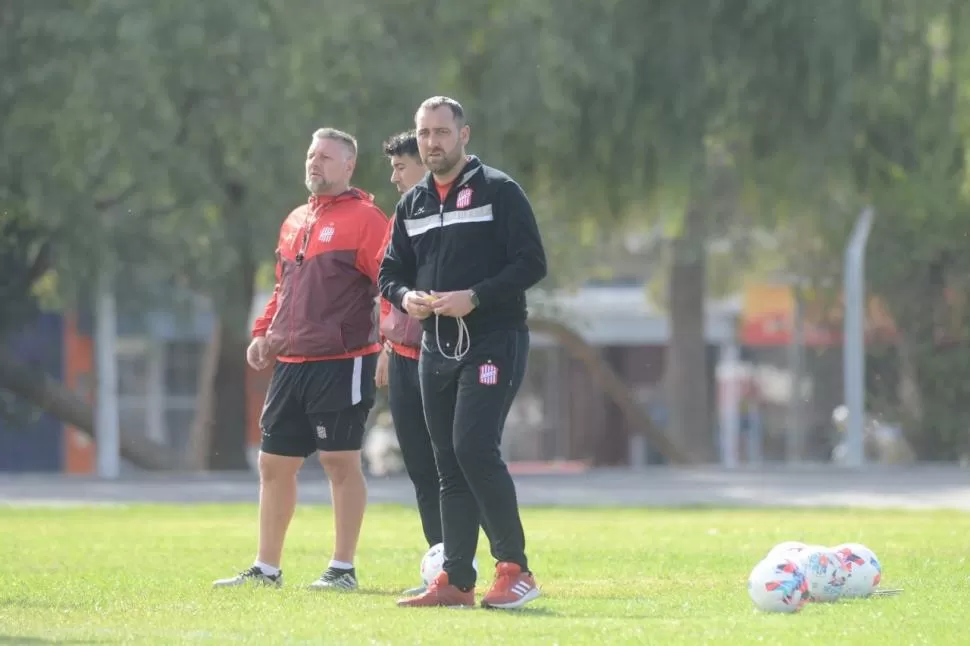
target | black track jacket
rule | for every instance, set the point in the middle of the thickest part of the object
(483, 237)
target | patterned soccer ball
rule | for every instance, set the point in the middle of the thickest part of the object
(824, 572)
(788, 549)
(864, 572)
(434, 561)
(778, 585)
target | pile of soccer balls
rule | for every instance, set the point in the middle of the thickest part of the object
(793, 574)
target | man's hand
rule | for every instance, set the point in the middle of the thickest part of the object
(454, 304)
(417, 304)
(258, 354)
(380, 376)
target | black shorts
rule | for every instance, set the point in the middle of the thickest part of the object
(318, 405)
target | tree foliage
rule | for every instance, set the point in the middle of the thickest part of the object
(163, 143)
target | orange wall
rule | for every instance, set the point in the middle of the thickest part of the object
(79, 377)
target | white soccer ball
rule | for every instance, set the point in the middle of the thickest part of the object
(864, 572)
(824, 573)
(778, 585)
(786, 549)
(434, 562)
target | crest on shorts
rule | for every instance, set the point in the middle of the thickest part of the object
(464, 199)
(488, 374)
(321, 431)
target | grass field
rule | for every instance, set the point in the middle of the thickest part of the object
(141, 575)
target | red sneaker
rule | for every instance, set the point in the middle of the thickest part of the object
(440, 593)
(513, 588)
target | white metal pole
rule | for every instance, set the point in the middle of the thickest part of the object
(730, 405)
(854, 345)
(107, 422)
(794, 444)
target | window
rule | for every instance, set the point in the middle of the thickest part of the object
(132, 374)
(132, 416)
(178, 426)
(182, 362)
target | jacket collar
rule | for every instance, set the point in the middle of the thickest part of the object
(352, 193)
(472, 166)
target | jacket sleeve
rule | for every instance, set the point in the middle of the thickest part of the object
(373, 227)
(399, 267)
(385, 310)
(524, 253)
(262, 323)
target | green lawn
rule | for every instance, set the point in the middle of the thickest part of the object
(141, 575)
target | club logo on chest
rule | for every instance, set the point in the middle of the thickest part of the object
(464, 199)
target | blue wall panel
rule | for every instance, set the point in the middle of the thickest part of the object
(35, 443)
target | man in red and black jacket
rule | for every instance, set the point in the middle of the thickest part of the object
(397, 366)
(319, 328)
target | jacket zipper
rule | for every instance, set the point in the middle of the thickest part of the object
(441, 232)
(441, 218)
(300, 255)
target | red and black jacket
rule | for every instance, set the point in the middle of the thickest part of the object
(326, 273)
(403, 332)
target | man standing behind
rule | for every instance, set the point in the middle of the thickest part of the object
(319, 326)
(464, 249)
(397, 366)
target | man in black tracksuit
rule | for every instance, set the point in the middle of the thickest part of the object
(464, 249)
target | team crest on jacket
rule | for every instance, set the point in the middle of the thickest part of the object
(464, 199)
(488, 374)
(326, 235)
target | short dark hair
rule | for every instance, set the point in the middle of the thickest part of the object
(436, 102)
(403, 143)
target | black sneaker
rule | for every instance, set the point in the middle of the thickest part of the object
(253, 576)
(336, 579)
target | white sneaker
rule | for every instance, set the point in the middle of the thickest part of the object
(252, 576)
(336, 579)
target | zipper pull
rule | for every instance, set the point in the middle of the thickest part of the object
(301, 254)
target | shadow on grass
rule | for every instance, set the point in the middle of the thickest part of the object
(531, 612)
(269, 590)
(32, 604)
(371, 592)
(28, 641)
(542, 611)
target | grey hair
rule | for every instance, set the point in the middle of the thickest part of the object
(346, 139)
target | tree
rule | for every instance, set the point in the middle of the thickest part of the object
(643, 110)
(180, 130)
(232, 75)
(909, 163)
(53, 181)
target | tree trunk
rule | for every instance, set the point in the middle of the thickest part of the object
(613, 385)
(234, 300)
(52, 397)
(914, 294)
(686, 371)
(227, 450)
(910, 398)
(201, 438)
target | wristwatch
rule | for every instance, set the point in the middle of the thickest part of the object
(474, 297)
